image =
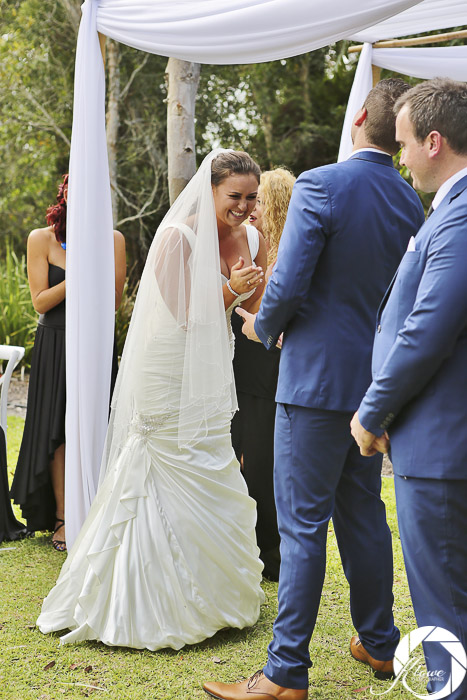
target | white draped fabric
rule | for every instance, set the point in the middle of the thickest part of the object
(90, 281)
(208, 31)
(445, 62)
(237, 31)
(362, 85)
(427, 16)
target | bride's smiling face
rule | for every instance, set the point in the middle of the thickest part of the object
(235, 198)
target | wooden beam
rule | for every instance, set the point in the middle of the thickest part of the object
(414, 41)
(102, 39)
(376, 74)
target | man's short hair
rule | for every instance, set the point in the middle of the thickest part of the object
(438, 105)
(380, 123)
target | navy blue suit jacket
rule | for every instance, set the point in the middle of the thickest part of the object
(347, 228)
(419, 391)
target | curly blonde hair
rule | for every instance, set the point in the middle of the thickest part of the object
(276, 190)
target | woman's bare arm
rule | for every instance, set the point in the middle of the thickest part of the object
(120, 266)
(43, 297)
(252, 303)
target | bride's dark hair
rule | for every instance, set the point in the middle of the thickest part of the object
(56, 214)
(233, 163)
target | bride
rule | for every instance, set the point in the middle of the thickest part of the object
(167, 555)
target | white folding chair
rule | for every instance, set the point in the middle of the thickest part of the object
(14, 354)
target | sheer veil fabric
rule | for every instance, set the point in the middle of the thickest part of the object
(179, 301)
(167, 555)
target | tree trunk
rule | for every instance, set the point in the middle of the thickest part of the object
(182, 84)
(113, 119)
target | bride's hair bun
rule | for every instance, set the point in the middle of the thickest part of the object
(233, 163)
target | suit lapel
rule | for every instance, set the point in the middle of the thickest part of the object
(386, 296)
(456, 190)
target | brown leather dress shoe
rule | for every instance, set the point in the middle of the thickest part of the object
(383, 669)
(258, 687)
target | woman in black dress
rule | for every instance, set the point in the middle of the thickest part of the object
(256, 371)
(39, 481)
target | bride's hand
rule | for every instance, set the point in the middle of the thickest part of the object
(245, 279)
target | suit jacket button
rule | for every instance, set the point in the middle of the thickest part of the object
(378, 328)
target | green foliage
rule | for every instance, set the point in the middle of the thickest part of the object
(36, 54)
(287, 112)
(142, 151)
(18, 319)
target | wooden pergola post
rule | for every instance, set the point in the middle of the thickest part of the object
(102, 39)
(376, 74)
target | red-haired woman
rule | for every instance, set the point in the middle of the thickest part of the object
(39, 482)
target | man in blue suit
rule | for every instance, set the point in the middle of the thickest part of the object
(347, 228)
(419, 391)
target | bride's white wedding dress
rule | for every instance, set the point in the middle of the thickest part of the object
(167, 555)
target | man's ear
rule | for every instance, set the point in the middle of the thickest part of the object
(360, 116)
(435, 141)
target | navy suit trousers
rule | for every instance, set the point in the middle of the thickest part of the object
(432, 516)
(319, 474)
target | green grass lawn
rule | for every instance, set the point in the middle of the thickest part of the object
(35, 667)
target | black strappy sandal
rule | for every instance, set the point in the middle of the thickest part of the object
(59, 545)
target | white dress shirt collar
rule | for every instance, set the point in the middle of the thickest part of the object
(372, 150)
(446, 186)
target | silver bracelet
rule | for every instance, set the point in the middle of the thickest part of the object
(232, 291)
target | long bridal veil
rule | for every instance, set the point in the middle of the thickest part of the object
(179, 304)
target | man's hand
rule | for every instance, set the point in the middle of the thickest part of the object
(368, 443)
(248, 327)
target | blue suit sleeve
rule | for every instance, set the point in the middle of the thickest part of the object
(303, 239)
(429, 334)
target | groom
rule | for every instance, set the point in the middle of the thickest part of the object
(347, 228)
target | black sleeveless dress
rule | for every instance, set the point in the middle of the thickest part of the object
(256, 371)
(44, 428)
